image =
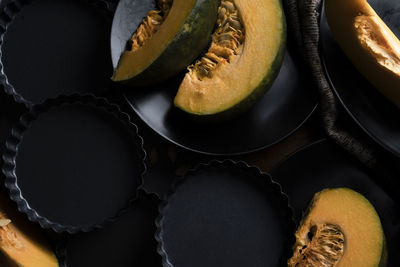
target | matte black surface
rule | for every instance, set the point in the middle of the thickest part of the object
(55, 47)
(284, 108)
(324, 165)
(225, 214)
(127, 242)
(77, 165)
(376, 115)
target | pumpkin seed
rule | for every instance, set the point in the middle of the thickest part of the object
(228, 5)
(235, 24)
(4, 222)
(221, 13)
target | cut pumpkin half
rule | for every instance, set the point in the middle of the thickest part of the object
(341, 229)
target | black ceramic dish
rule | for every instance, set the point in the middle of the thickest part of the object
(325, 165)
(376, 115)
(73, 163)
(129, 241)
(284, 108)
(54, 47)
(225, 214)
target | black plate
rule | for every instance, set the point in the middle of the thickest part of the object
(284, 108)
(376, 115)
(324, 165)
(74, 163)
(225, 214)
(54, 47)
(127, 242)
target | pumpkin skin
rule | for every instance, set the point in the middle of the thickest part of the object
(341, 228)
(236, 85)
(367, 41)
(184, 34)
(20, 242)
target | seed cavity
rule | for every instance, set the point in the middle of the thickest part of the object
(323, 246)
(150, 25)
(227, 41)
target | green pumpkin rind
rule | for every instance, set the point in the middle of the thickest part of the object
(384, 256)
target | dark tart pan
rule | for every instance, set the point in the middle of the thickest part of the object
(54, 47)
(127, 242)
(73, 163)
(225, 214)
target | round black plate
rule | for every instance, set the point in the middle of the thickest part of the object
(279, 113)
(54, 47)
(74, 163)
(225, 214)
(325, 165)
(376, 115)
(127, 242)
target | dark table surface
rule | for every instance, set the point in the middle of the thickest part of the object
(167, 161)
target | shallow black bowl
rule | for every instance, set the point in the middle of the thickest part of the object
(284, 108)
(376, 115)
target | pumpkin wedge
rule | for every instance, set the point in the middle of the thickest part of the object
(368, 42)
(21, 243)
(167, 41)
(243, 60)
(341, 229)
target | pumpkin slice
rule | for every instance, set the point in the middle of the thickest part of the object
(341, 229)
(368, 42)
(245, 56)
(167, 41)
(21, 243)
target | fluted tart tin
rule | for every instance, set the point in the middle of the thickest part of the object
(225, 214)
(54, 47)
(74, 163)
